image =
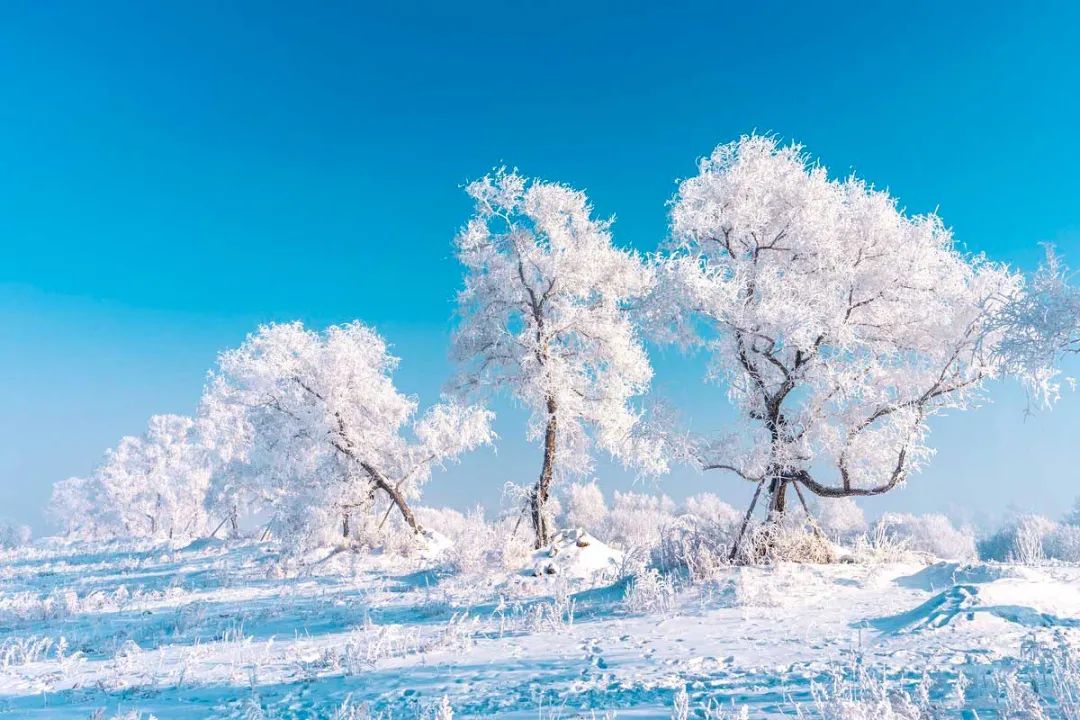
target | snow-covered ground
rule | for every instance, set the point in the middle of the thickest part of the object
(231, 630)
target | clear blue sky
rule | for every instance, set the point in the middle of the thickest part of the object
(172, 174)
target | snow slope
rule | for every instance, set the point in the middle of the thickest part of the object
(221, 630)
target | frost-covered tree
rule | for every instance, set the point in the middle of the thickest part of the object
(13, 534)
(544, 315)
(584, 506)
(151, 485)
(838, 323)
(78, 506)
(310, 426)
(157, 482)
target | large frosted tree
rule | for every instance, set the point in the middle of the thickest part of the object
(544, 316)
(309, 426)
(838, 324)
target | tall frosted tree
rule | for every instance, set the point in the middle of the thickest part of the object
(838, 324)
(309, 426)
(543, 315)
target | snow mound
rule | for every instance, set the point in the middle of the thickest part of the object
(576, 554)
(943, 575)
(986, 596)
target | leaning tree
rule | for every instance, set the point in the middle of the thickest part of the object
(544, 315)
(309, 426)
(838, 323)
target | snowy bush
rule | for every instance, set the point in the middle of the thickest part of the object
(1019, 540)
(793, 540)
(698, 548)
(857, 693)
(699, 540)
(878, 545)
(649, 592)
(476, 544)
(931, 534)
(13, 535)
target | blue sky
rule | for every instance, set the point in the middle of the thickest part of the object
(172, 174)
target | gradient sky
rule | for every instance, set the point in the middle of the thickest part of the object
(173, 174)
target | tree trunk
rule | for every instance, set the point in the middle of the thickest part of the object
(778, 490)
(395, 495)
(345, 525)
(539, 496)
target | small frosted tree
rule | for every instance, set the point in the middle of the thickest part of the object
(77, 505)
(838, 324)
(309, 426)
(152, 485)
(544, 315)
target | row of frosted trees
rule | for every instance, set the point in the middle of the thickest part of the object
(837, 324)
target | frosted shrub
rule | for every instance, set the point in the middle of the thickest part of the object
(584, 506)
(349, 710)
(1060, 668)
(699, 541)
(369, 643)
(649, 592)
(1027, 548)
(59, 604)
(554, 615)
(13, 535)
(932, 534)
(697, 548)
(841, 519)
(879, 545)
(476, 544)
(16, 651)
(1020, 540)
(1017, 699)
(792, 540)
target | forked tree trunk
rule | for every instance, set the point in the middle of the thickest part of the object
(777, 506)
(396, 496)
(539, 496)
